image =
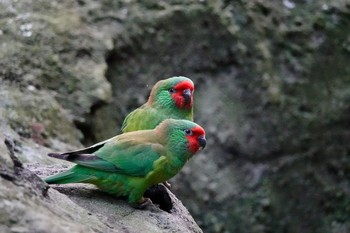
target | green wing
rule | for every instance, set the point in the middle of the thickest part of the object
(124, 157)
(142, 118)
(130, 158)
(86, 157)
(127, 123)
(121, 155)
(147, 117)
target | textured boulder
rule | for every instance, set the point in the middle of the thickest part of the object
(29, 205)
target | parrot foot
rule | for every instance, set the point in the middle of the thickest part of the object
(143, 203)
(167, 184)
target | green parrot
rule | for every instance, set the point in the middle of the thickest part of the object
(127, 164)
(169, 98)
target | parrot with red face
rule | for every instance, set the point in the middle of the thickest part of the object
(127, 164)
(169, 98)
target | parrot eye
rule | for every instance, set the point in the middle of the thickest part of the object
(172, 90)
(188, 132)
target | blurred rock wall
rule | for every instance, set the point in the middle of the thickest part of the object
(272, 91)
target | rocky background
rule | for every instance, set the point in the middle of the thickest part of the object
(272, 91)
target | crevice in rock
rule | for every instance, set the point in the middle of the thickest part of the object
(87, 125)
(21, 176)
(10, 144)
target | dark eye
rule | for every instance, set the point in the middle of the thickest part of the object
(188, 132)
(172, 90)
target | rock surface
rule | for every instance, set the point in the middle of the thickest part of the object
(272, 92)
(29, 205)
(52, 76)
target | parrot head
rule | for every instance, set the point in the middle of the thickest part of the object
(173, 92)
(196, 138)
(184, 136)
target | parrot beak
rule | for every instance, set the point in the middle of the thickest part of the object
(202, 141)
(187, 96)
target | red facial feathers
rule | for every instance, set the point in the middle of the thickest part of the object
(181, 98)
(193, 139)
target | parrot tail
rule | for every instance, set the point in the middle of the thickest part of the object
(66, 177)
(59, 156)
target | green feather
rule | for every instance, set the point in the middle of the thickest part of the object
(98, 164)
(66, 177)
(130, 158)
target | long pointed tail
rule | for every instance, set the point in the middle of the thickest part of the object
(58, 156)
(66, 177)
